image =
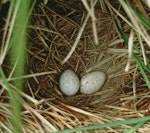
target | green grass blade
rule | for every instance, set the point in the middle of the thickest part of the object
(106, 125)
(17, 44)
(140, 63)
(125, 38)
(133, 129)
(15, 119)
(143, 20)
(5, 82)
(140, 17)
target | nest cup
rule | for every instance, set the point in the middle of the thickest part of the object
(56, 27)
(54, 35)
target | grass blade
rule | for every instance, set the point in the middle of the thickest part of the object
(140, 63)
(131, 130)
(16, 44)
(106, 125)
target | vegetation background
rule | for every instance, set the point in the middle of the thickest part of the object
(40, 40)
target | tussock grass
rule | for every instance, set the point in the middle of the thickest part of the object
(83, 36)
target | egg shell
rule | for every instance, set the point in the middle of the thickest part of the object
(69, 83)
(92, 82)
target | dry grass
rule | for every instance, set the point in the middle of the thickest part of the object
(64, 36)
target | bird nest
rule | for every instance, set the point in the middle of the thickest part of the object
(56, 45)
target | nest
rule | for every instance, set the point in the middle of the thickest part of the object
(55, 28)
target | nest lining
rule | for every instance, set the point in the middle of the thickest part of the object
(55, 40)
(55, 28)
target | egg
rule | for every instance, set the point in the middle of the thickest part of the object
(92, 82)
(69, 83)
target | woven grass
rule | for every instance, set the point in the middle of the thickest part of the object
(55, 29)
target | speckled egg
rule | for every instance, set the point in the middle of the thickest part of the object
(92, 82)
(69, 83)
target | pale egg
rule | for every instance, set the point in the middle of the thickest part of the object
(69, 83)
(92, 82)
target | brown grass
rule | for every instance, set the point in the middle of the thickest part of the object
(55, 30)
